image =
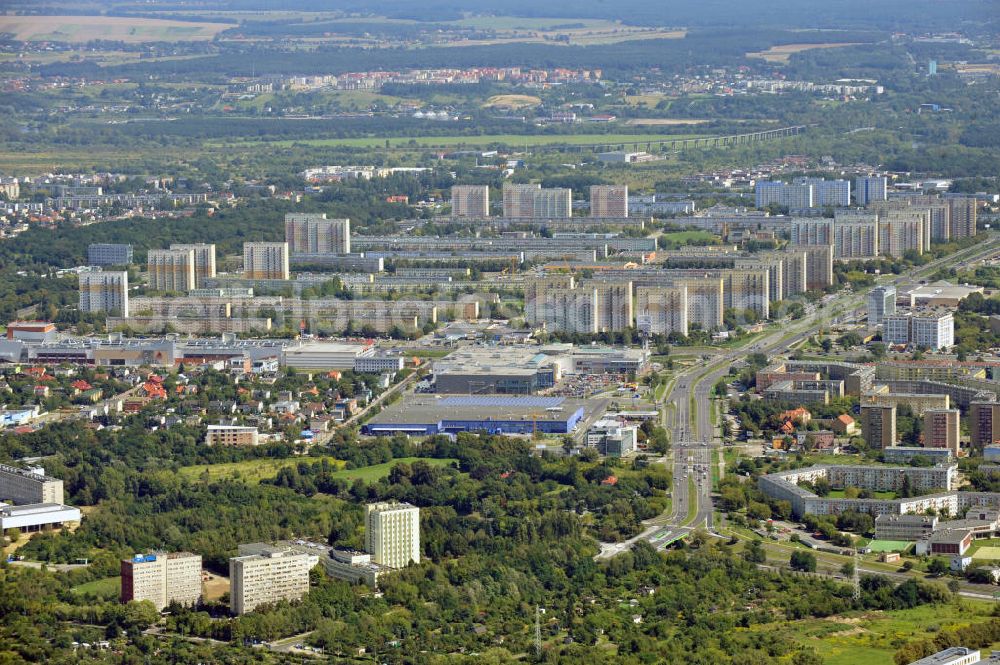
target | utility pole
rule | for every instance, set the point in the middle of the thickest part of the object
(538, 633)
(857, 575)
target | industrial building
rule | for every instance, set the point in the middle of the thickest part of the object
(437, 414)
(316, 355)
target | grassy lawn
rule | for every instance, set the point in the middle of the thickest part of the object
(987, 549)
(692, 503)
(871, 638)
(249, 470)
(106, 588)
(839, 494)
(684, 237)
(379, 471)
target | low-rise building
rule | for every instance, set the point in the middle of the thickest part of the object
(904, 527)
(231, 435)
(612, 438)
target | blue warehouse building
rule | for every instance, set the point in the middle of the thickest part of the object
(495, 414)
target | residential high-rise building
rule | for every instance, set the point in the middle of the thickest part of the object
(878, 424)
(661, 310)
(881, 303)
(748, 290)
(941, 429)
(554, 203)
(609, 201)
(811, 231)
(934, 329)
(104, 292)
(265, 260)
(899, 234)
(931, 329)
(162, 578)
(308, 233)
(519, 200)
(614, 306)
(204, 261)
(170, 269)
(561, 304)
(828, 193)
(109, 254)
(783, 194)
(531, 201)
(870, 188)
(962, 214)
(392, 533)
(270, 575)
(705, 300)
(795, 263)
(470, 201)
(984, 423)
(819, 265)
(855, 239)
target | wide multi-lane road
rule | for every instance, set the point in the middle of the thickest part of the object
(687, 403)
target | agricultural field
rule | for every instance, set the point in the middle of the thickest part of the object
(664, 122)
(780, 54)
(131, 30)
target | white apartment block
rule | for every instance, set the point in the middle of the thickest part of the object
(828, 193)
(662, 310)
(204, 261)
(308, 233)
(104, 292)
(267, 576)
(783, 194)
(392, 533)
(470, 201)
(609, 201)
(933, 329)
(27, 486)
(265, 260)
(170, 269)
(162, 579)
(870, 188)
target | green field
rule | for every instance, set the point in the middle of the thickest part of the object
(379, 471)
(249, 470)
(888, 545)
(106, 588)
(871, 638)
(684, 237)
(514, 140)
(839, 494)
(987, 548)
